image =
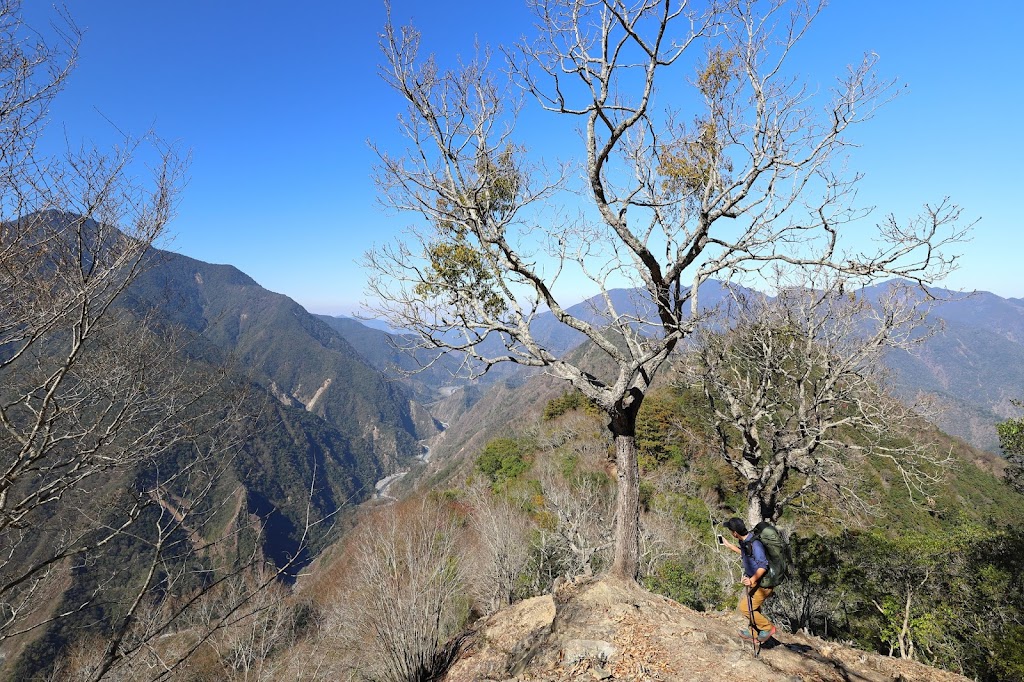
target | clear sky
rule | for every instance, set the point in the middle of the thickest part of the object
(277, 100)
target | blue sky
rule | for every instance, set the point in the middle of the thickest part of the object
(277, 101)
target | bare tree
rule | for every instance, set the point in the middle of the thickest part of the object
(798, 392)
(246, 644)
(747, 176)
(402, 605)
(32, 73)
(579, 505)
(89, 391)
(502, 538)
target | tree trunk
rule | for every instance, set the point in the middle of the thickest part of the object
(626, 560)
(756, 512)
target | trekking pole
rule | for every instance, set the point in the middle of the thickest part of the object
(753, 625)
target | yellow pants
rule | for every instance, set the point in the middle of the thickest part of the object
(756, 599)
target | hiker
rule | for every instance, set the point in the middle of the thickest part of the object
(755, 566)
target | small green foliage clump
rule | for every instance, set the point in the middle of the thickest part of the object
(462, 276)
(671, 428)
(575, 473)
(503, 459)
(567, 402)
(1011, 440)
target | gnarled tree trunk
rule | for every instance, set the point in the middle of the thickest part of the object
(626, 558)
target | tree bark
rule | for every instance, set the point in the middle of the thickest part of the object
(756, 512)
(626, 559)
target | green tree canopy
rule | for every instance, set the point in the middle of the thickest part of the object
(1011, 440)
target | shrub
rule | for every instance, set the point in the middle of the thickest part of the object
(677, 580)
(503, 459)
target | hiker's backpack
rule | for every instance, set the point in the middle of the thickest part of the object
(777, 550)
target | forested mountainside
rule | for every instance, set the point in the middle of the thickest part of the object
(522, 516)
(330, 417)
(289, 429)
(973, 367)
(292, 354)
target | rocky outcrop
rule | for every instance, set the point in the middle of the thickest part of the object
(607, 630)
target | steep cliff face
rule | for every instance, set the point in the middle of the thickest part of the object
(604, 630)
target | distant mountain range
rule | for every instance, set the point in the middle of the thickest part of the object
(971, 368)
(347, 400)
(426, 373)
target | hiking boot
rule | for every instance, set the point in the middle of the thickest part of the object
(765, 635)
(745, 633)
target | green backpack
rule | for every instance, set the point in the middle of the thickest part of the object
(778, 553)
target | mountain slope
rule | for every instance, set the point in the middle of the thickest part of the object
(312, 428)
(293, 355)
(972, 368)
(426, 373)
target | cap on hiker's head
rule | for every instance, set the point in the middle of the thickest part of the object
(736, 525)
